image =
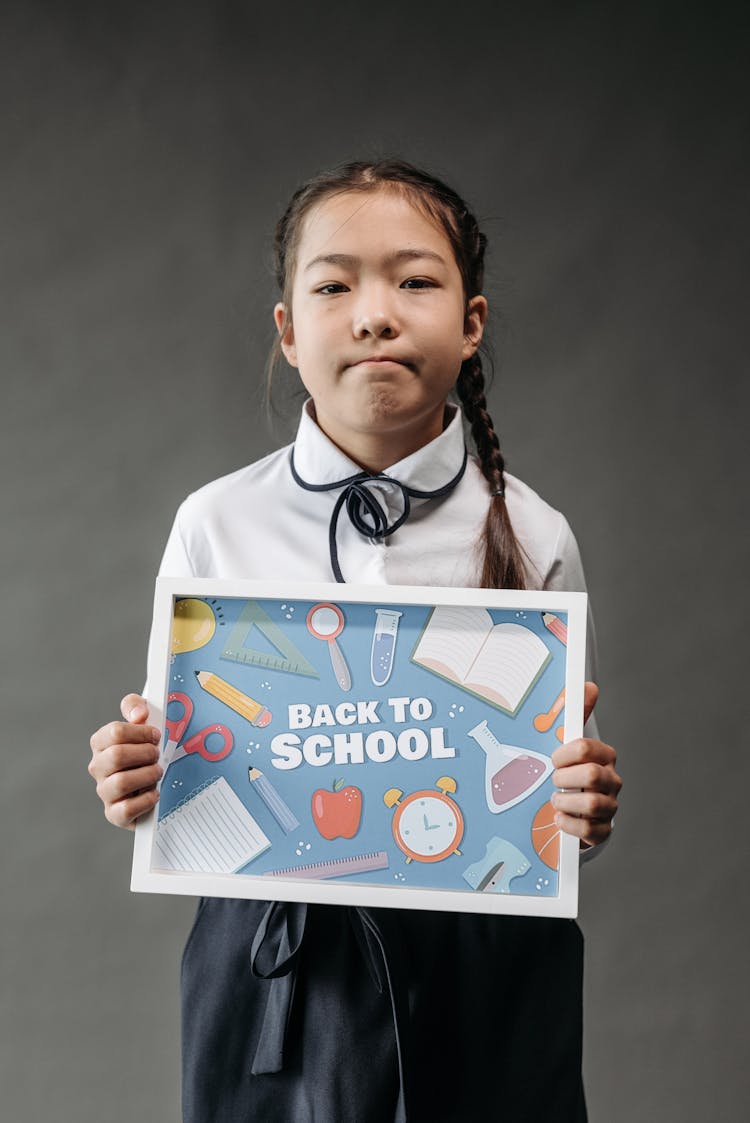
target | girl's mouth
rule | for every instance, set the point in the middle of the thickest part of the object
(383, 362)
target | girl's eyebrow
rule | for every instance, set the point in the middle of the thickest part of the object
(347, 260)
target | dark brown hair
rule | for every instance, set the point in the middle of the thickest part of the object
(503, 565)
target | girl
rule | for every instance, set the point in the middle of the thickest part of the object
(329, 1014)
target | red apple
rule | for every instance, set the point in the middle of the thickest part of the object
(337, 814)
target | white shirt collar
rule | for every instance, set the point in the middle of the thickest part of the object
(319, 461)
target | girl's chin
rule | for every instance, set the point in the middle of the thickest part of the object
(381, 408)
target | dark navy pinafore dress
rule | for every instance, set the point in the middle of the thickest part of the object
(298, 1013)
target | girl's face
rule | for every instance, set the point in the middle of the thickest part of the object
(379, 324)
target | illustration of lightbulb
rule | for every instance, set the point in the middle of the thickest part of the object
(193, 625)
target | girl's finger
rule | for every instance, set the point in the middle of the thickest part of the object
(584, 750)
(133, 708)
(119, 758)
(123, 733)
(122, 785)
(591, 831)
(590, 695)
(125, 812)
(586, 805)
(590, 777)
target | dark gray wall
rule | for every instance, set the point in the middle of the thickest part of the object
(145, 157)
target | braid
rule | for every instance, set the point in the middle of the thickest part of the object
(503, 566)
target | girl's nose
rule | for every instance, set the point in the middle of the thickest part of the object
(375, 319)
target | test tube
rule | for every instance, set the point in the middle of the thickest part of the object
(383, 644)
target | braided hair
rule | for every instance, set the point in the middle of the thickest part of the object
(503, 560)
(503, 565)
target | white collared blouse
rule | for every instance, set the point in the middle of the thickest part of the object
(259, 523)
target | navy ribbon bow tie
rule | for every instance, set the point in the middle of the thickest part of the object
(364, 511)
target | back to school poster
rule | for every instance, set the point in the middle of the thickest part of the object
(387, 746)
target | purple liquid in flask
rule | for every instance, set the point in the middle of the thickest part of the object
(511, 774)
(514, 779)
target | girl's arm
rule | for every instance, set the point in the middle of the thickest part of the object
(125, 754)
(587, 766)
(124, 763)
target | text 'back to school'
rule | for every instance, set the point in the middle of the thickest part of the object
(379, 745)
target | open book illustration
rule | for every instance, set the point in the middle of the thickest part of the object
(497, 662)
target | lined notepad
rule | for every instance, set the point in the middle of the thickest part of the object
(209, 832)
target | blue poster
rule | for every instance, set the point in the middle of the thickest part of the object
(364, 742)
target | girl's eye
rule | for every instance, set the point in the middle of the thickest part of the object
(331, 288)
(418, 283)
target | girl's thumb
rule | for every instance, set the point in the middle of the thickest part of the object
(590, 695)
(134, 709)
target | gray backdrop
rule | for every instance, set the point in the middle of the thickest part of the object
(145, 157)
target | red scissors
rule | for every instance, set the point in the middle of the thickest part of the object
(177, 748)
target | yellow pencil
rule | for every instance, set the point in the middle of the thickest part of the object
(254, 712)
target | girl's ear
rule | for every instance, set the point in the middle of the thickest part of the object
(474, 321)
(286, 333)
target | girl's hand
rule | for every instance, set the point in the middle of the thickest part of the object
(588, 766)
(124, 764)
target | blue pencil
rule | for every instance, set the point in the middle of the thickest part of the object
(283, 814)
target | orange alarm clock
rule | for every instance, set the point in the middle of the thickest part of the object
(427, 825)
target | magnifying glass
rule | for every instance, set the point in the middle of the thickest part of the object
(326, 621)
